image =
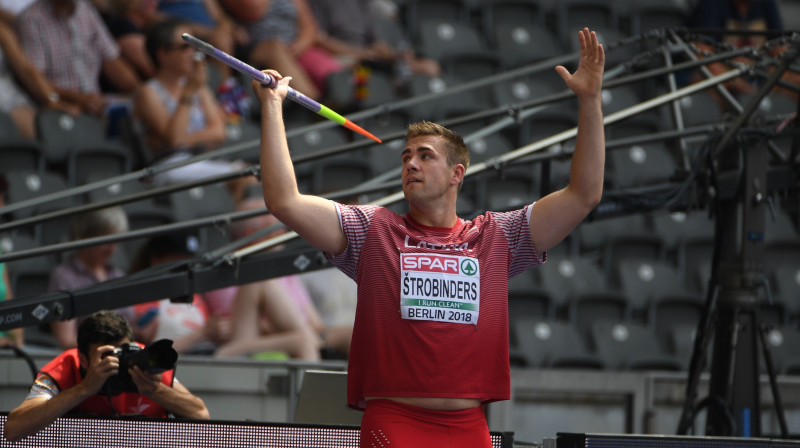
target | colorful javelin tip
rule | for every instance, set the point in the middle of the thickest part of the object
(354, 127)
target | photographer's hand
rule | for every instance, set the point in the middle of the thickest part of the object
(146, 383)
(100, 368)
(37, 412)
(176, 399)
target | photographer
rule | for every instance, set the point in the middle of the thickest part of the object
(76, 381)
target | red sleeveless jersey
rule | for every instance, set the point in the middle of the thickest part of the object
(432, 313)
(66, 372)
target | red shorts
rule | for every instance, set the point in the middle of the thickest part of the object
(390, 424)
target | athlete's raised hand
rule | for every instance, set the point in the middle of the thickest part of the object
(588, 78)
(278, 93)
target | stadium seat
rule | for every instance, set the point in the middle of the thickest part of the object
(385, 156)
(544, 343)
(312, 142)
(647, 15)
(781, 239)
(598, 15)
(242, 132)
(522, 13)
(644, 280)
(700, 108)
(419, 12)
(785, 283)
(782, 343)
(29, 276)
(681, 340)
(483, 148)
(470, 66)
(631, 347)
(24, 185)
(445, 106)
(201, 202)
(379, 89)
(680, 227)
(532, 87)
(61, 133)
(574, 15)
(442, 39)
(340, 173)
(514, 45)
(640, 165)
(587, 308)
(53, 231)
(108, 160)
(527, 299)
(611, 240)
(18, 153)
(509, 189)
(668, 311)
(566, 277)
(144, 217)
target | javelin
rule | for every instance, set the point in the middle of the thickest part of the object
(269, 81)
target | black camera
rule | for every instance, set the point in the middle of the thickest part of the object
(155, 358)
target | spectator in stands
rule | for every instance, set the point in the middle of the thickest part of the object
(74, 382)
(284, 36)
(69, 43)
(333, 295)
(179, 112)
(348, 29)
(127, 21)
(278, 314)
(187, 324)
(16, 67)
(431, 331)
(9, 9)
(739, 15)
(89, 265)
(12, 337)
(210, 22)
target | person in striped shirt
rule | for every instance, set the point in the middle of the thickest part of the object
(430, 341)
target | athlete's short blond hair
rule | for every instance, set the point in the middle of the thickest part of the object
(457, 152)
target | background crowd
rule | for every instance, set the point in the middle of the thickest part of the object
(123, 64)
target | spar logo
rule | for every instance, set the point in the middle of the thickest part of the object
(469, 267)
(432, 263)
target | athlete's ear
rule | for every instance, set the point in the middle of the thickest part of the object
(458, 174)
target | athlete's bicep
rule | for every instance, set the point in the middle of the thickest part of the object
(316, 220)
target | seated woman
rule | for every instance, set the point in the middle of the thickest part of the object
(278, 314)
(87, 266)
(210, 22)
(283, 35)
(179, 112)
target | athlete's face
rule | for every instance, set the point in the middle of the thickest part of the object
(426, 172)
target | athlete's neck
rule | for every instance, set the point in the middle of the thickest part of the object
(444, 218)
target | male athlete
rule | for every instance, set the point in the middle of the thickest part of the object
(430, 343)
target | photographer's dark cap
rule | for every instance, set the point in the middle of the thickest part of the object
(185, 242)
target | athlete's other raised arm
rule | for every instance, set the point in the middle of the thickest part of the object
(314, 218)
(555, 215)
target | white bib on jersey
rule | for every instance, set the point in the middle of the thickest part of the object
(442, 288)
